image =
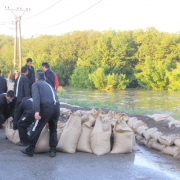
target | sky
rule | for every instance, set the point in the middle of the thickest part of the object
(57, 17)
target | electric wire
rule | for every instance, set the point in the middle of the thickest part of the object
(42, 11)
(73, 16)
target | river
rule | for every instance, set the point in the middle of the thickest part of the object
(143, 100)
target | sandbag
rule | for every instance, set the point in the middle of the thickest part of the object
(177, 142)
(137, 124)
(167, 140)
(131, 121)
(147, 133)
(141, 129)
(100, 136)
(122, 116)
(64, 112)
(70, 135)
(134, 148)
(155, 135)
(84, 140)
(123, 138)
(155, 145)
(12, 135)
(170, 150)
(42, 144)
(160, 117)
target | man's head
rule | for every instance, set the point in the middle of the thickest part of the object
(29, 62)
(9, 96)
(45, 66)
(40, 76)
(24, 70)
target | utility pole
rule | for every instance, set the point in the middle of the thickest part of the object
(17, 29)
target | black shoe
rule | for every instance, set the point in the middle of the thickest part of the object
(52, 153)
(22, 144)
(25, 152)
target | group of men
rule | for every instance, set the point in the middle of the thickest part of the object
(33, 102)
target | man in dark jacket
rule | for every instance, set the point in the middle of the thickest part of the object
(7, 106)
(47, 110)
(23, 118)
(21, 87)
(3, 84)
(49, 73)
(31, 73)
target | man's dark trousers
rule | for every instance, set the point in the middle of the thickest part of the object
(49, 114)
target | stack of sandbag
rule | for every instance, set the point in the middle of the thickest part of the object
(12, 135)
(160, 132)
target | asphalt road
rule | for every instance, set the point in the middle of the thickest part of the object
(143, 164)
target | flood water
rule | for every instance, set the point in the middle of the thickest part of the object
(157, 101)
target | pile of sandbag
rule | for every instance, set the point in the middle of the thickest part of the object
(86, 131)
(96, 132)
(158, 131)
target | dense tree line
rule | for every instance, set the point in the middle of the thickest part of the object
(146, 59)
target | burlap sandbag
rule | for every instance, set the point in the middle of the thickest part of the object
(134, 148)
(42, 144)
(122, 116)
(147, 133)
(64, 112)
(141, 129)
(177, 142)
(123, 138)
(84, 140)
(155, 145)
(167, 140)
(161, 117)
(70, 135)
(155, 135)
(12, 135)
(137, 124)
(171, 150)
(100, 136)
(131, 121)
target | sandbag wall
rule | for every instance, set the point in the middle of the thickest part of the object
(96, 132)
(158, 131)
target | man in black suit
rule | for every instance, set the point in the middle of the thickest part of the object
(31, 73)
(3, 84)
(21, 87)
(7, 106)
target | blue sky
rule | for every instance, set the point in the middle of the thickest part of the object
(57, 17)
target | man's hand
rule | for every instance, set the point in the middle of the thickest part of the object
(10, 118)
(37, 117)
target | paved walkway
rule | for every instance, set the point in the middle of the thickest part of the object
(144, 164)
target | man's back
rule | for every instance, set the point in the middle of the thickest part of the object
(3, 85)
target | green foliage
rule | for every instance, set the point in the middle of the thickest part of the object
(98, 78)
(108, 60)
(80, 78)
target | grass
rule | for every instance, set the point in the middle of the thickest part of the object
(64, 97)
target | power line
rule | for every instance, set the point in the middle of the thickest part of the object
(73, 16)
(43, 10)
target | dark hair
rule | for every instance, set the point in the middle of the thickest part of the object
(28, 60)
(45, 64)
(0, 71)
(10, 94)
(40, 75)
(24, 69)
(39, 71)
